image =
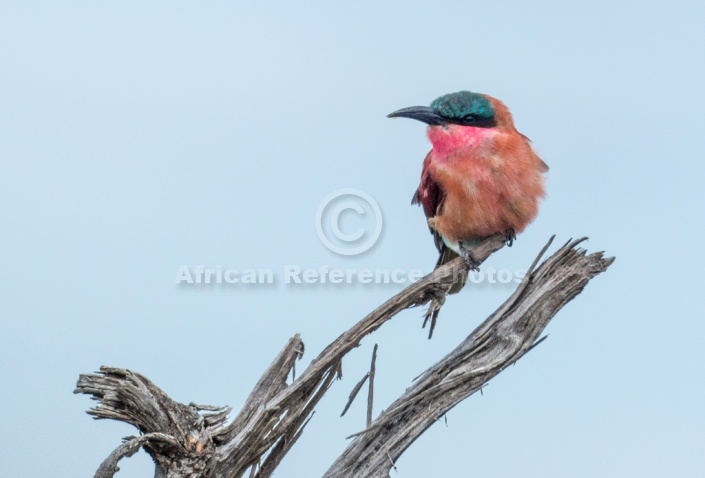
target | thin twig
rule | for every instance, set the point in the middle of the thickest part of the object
(371, 390)
(354, 392)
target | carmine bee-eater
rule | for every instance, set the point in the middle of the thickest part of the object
(480, 178)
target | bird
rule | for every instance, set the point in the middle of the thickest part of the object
(482, 176)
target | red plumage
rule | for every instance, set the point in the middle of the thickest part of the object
(481, 178)
(479, 181)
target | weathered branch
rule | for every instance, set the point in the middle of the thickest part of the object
(173, 429)
(498, 342)
(130, 446)
(275, 413)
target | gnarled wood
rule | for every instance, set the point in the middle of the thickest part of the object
(187, 441)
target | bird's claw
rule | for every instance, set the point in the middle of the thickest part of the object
(510, 236)
(470, 262)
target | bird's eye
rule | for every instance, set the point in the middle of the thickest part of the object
(469, 118)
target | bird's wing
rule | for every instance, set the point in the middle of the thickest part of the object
(543, 167)
(431, 196)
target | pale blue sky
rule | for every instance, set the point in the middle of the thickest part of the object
(137, 138)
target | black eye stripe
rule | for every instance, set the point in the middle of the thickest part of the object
(474, 120)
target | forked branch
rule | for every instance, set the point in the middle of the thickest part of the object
(275, 413)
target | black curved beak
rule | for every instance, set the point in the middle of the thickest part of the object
(425, 114)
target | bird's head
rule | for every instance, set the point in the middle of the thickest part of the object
(462, 120)
(463, 108)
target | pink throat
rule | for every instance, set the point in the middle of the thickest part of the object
(453, 138)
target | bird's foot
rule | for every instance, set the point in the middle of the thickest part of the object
(510, 236)
(470, 262)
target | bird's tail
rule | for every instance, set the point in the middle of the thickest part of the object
(461, 276)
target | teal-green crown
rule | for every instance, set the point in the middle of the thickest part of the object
(464, 104)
